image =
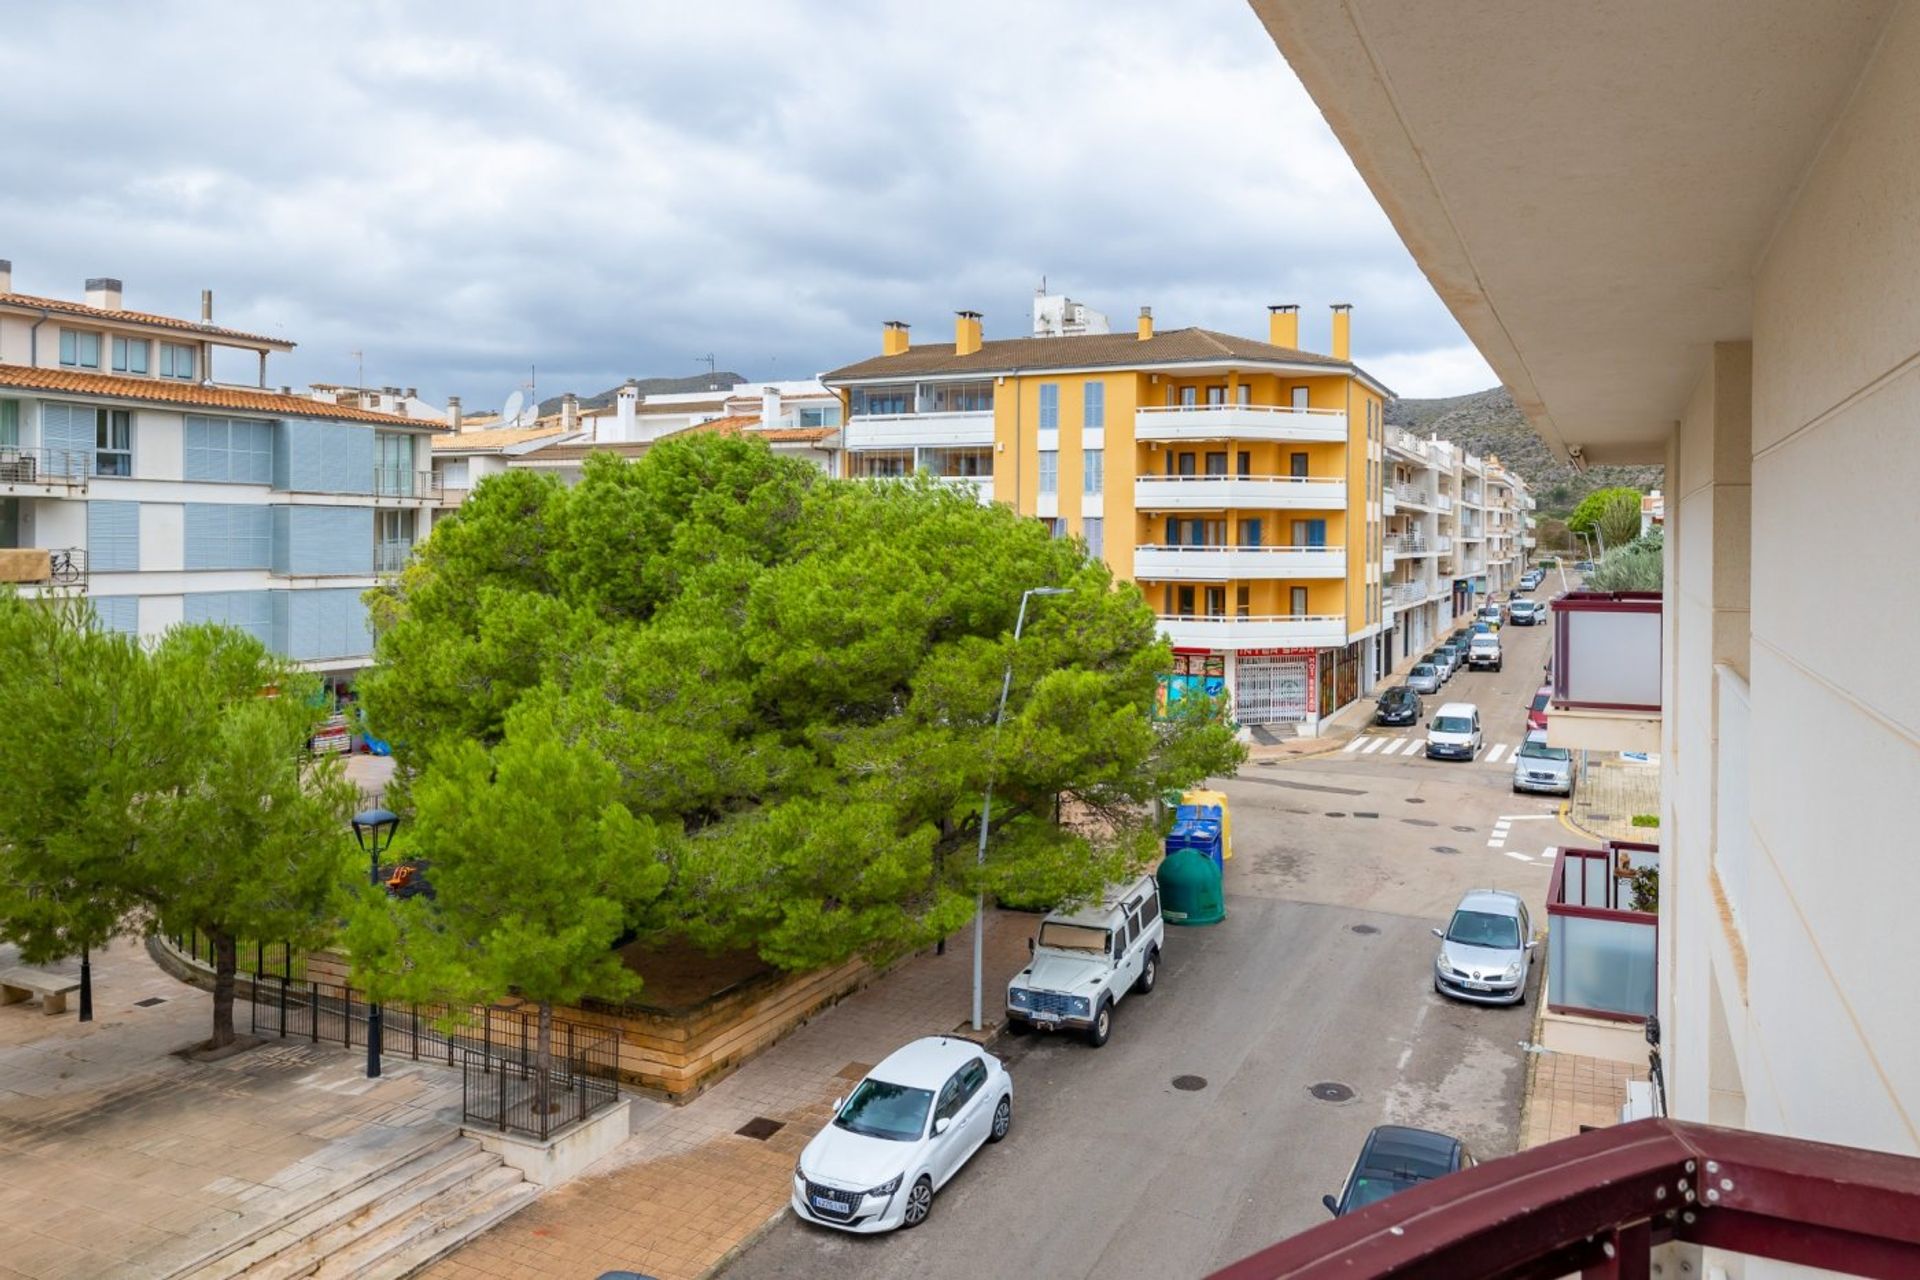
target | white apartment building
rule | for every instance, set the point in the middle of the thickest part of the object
(125, 472)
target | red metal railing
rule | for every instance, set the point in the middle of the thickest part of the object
(1599, 1203)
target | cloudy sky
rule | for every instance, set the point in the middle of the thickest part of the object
(610, 189)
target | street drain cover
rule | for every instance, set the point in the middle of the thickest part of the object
(760, 1127)
(1601, 817)
(1364, 928)
(1189, 1084)
(1358, 814)
(854, 1071)
(1420, 822)
(1444, 848)
(1467, 830)
(1415, 800)
(1335, 814)
(150, 1001)
(1331, 1091)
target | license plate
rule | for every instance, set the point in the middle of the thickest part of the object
(828, 1202)
(1047, 1019)
(1476, 986)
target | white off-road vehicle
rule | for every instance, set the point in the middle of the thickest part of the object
(1085, 961)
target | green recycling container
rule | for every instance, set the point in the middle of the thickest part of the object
(1190, 889)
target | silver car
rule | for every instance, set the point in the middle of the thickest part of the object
(1485, 950)
(1424, 678)
(1542, 769)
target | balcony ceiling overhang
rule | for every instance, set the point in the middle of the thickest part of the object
(1589, 188)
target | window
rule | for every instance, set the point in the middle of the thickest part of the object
(827, 416)
(1297, 601)
(1049, 471)
(79, 350)
(1250, 532)
(960, 397)
(1096, 533)
(222, 535)
(1150, 910)
(1094, 477)
(393, 463)
(228, 450)
(1093, 409)
(1216, 602)
(130, 355)
(881, 1110)
(1189, 396)
(1216, 396)
(113, 537)
(1242, 602)
(1216, 464)
(1300, 397)
(1057, 527)
(113, 443)
(1183, 597)
(1049, 406)
(1244, 463)
(875, 400)
(176, 360)
(1246, 393)
(1297, 465)
(1122, 939)
(9, 424)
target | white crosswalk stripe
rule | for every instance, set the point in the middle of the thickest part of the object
(1354, 746)
(1499, 749)
(1415, 746)
(1373, 745)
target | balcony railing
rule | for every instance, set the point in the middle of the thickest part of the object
(392, 556)
(1410, 592)
(1238, 422)
(1219, 631)
(1412, 495)
(1600, 951)
(1407, 442)
(388, 483)
(906, 430)
(1607, 651)
(1216, 563)
(1599, 1203)
(44, 566)
(44, 468)
(1251, 493)
(1445, 502)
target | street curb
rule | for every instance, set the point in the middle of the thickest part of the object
(1567, 821)
(1533, 1061)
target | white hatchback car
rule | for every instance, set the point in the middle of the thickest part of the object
(901, 1134)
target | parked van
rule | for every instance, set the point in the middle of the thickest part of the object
(1454, 732)
(1087, 961)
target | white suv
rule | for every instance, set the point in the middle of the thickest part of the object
(1086, 961)
(1484, 651)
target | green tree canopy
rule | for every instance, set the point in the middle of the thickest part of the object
(794, 679)
(1613, 513)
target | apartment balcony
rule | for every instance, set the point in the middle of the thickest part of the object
(391, 556)
(1413, 496)
(1159, 563)
(1409, 593)
(1245, 493)
(418, 486)
(1529, 541)
(1600, 949)
(1389, 501)
(43, 473)
(1177, 422)
(1606, 671)
(911, 430)
(980, 487)
(1407, 444)
(1294, 631)
(44, 566)
(1444, 503)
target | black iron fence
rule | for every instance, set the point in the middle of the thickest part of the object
(271, 959)
(510, 1094)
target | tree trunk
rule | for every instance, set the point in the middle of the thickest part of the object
(543, 1065)
(225, 962)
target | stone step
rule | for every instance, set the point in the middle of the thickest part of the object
(402, 1248)
(410, 1189)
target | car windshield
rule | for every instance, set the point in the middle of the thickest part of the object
(1073, 937)
(1453, 724)
(1540, 701)
(1367, 1190)
(1425, 671)
(881, 1110)
(1484, 929)
(1399, 693)
(1534, 749)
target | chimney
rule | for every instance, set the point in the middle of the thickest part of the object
(893, 338)
(1146, 323)
(206, 306)
(769, 406)
(103, 292)
(1342, 331)
(453, 413)
(1283, 325)
(286, 391)
(569, 412)
(627, 409)
(413, 393)
(966, 332)
(6, 276)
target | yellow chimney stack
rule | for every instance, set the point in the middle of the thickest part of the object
(893, 339)
(966, 332)
(1146, 323)
(1342, 331)
(1283, 325)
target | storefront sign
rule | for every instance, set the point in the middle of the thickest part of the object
(1277, 653)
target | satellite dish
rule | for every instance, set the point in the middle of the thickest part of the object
(510, 412)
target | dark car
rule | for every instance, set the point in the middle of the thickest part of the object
(1399, 705)
(1461, 636)
(1394, 1158)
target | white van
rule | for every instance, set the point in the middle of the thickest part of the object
(1454, 732)
(1086, 961)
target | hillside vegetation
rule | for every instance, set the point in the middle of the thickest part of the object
(1488, 422)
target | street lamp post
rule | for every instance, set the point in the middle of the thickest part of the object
(373, 830)
(986, 807)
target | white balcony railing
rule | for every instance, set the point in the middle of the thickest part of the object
(1238, 422)
(1446, 502)
(1412, 495)
(1217, 564)
(1405, 593)
(906, 430)
(1302, 631)
(1407, 442)
(1253, 493)
(1389, 501)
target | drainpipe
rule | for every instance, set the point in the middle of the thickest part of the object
(33, 339)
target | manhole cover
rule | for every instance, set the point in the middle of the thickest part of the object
(1601, 817)
(151, 1001)
(1415, 800)
(760, 1127)
(854, 1071)
(1364, 928)
(1189, 1084)
(1358, 814)
(1444, 848)
(1465, 830)
(1335, 814)
(1420, 822)
(1331, 1091)
(1267, 764)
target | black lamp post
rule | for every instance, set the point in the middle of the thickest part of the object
(373, 829)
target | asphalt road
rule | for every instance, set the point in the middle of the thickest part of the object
(1319, 975)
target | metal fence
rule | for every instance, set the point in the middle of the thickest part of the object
(504, 1092)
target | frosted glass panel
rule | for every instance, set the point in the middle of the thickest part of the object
(1605, 965)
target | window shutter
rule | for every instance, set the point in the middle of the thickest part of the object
(113, 537)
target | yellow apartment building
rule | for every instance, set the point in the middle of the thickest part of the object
(1236, 481)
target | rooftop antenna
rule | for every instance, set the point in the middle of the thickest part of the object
(710, 368)
(359, 370)
(510, 412)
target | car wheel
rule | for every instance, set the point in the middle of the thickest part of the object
(1102, 1024)
(1149, 972)
(1002, 1119)
(919, 1202)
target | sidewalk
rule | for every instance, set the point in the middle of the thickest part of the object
(688, 1189)
(1612, 792)
(1568, 1091)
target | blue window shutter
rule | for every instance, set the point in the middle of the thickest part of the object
(1253, 532)
(1093, 411)
(117, 613)
(113, 537)
(68, 428)
(1316, 533)
(324, 540)
(1049, 406)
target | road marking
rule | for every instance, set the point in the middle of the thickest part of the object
(1355, 745)
(1412, 745)
(1373, 745)
(1499, 749)
(1527, 817)
(1519, 857)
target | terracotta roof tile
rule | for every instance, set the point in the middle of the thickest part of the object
(1080, 350)
(193, 394)
(136, 317)
(494, 438)
(748, 424)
